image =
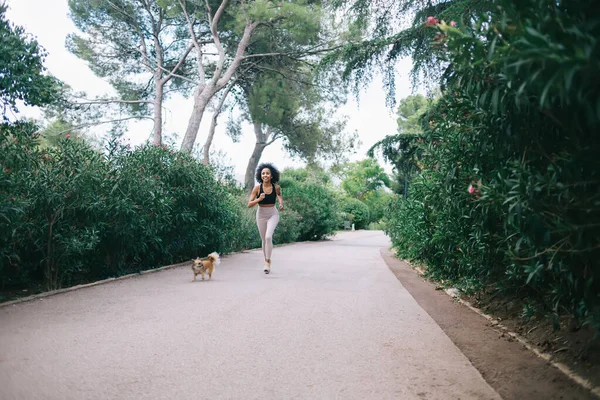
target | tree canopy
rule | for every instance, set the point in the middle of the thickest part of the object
(363, 177)
(402, 149)
(22, 71)
(283, 100)
(139, 47)
(382, 31)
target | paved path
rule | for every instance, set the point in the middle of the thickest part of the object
(330, 322)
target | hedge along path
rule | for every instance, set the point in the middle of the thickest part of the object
(568, 372)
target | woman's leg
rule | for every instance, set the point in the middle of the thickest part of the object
(261, 223)
(271, 225)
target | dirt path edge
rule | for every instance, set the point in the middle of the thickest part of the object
(586, 383)
(507, 361)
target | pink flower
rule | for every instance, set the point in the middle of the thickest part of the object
(431, 21)
(68, 136)
(452, 23)
(471, 189)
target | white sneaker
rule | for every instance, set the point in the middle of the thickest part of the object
(267, 267)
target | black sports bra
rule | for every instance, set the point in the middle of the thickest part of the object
(269, 198)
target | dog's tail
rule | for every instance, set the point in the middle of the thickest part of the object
(214, 257)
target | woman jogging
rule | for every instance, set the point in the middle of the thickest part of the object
(267, 216)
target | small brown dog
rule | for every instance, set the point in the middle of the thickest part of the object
(206, 264)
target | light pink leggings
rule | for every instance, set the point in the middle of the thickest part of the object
(267, 219)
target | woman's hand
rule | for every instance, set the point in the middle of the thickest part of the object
(281, 207)
(254, 199)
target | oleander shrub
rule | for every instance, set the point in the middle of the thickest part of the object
(509, 189)
(71, 213)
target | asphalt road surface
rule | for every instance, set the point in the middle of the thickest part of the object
(330, 322)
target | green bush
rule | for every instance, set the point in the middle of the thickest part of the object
(359, 211)
(57, 197)
(377, 226)
(315, 205)
(509, 189)
(289, 228)
(179, 208)
(71, 214)
(377, 201)
(19, 160)
(245, 234)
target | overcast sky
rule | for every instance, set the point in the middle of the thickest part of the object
(48, 21)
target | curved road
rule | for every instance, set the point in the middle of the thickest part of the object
(330, 322)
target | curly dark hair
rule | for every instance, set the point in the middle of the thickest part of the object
(272, 168)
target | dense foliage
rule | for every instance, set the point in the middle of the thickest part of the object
(22, 75)
(71, 214)
(509, 191)
(307, 194)
(356, 212)
(402, 150)
(364, 193)
(382, 32)
(76, 214)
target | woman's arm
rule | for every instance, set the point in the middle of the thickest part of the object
(279, 197)
(253, 200)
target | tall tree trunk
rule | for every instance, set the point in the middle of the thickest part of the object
(157, 131)
(158, 79)
(213, 125)
(209, 139)
(221, 76)
(201, 99)
(252, 164)
(259, 147)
